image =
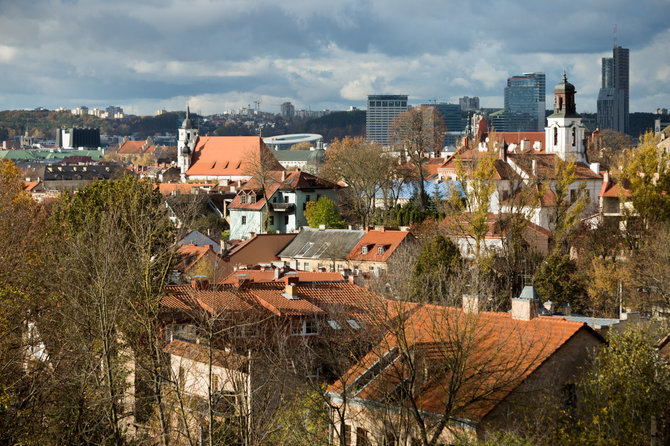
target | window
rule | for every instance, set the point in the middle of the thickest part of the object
(347, 434)
(334, 324)
(286, 219)
(311, 327)
(306, 266)
(372, 269)
(271, 220)
(574, 135)
(362, 437)
(364, 249)
(252, 198)
(573, 196)
(588, 194)
(244, 219)
(285, 198)
(380, 250)
(353, 324)
(305, 328)
(243, 199)
(555, 136)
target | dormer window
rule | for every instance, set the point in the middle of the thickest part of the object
(252, 198)
(243, 198)
(364, 249)
(380, 250)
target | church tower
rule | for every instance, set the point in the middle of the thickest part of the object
(188, 136)
(564, 134)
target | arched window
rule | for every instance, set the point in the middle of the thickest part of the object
(560, 104)
(555, 136)
(574, 135)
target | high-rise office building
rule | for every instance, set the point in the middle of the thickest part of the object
(525, 102)
(381, 111)
(613, 99)
(287, 110)
(468, 103)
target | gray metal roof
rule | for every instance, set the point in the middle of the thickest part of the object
(322, 243)
(199, 239)
(529, 293)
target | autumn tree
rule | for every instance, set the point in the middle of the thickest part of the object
(364, 167)
(323, 211)
(415, 134)
(647, 168)
(624, 394)
(606, 147)
(262, 169)
(434, 268)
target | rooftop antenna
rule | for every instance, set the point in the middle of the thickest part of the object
(615, 35)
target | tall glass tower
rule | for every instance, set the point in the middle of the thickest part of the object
(613, 98)
(525, 102)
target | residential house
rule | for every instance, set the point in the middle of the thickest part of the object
(462, 371)
(195, 262)
(321, 249)
(373, 252)
(261, 248)
(287, 192)
(199, 239)
(499, 229)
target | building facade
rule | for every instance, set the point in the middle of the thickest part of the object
(381, 111)
(613, 99)
(525, 102)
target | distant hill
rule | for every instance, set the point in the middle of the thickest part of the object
(333, 125)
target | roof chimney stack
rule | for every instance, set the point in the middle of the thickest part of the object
(470, 304)
(526, 306)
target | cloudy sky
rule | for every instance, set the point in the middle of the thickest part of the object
(224, 54)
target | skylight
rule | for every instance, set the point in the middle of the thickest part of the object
(353, 324)
(305, 248)
(334, 324)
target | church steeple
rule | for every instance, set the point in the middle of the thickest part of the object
(564, 134)
(188, 137)
(564, 99)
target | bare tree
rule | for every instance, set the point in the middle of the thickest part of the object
(417, 133)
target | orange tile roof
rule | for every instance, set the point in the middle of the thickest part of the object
(181, 188)
(201, 353)
(189, 255)
(258, 275)
(388, 240)
(517, 137)
(546, 166)
(504, 353)
(229, 155)
(284, 180)
(30, 185)
(612, 189)
(211, 298)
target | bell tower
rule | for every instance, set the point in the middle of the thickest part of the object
(564, 134)
(186, 144)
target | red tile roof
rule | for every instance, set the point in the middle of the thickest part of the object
(229, 156)
(517, 137)
(546, 166)
(504, 353)
(258, 275)
(136, 148)
(612, 189)
(181, 188)
(387, 240)
(201, 353)
(188, 255)
(30, 185)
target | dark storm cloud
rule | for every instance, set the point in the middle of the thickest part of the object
(317, 53)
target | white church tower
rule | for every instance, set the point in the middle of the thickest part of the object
(188, 136)
(564, 134)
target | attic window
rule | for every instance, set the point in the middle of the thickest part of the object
(243, 198)
(305, 248)
(364, 249)
(289, 181)
(334, 324)
(239, 163)
(380, 250)
(252, 198)
(213, 164)
(353, 324)
(226, 166)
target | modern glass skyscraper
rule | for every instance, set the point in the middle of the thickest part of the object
(525, 102)
(613, 99)
(381, 111)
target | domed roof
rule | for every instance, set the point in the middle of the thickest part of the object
(187, 124)
(564, 85)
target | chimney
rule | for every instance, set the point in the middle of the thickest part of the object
(291, 289)
(566, 309)
(549, 306)
(534, 167)
(595, 168)
(470, 304)
(283, 176)
(525, 145)
(606, 177)
(525, 307)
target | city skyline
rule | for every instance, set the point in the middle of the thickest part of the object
(226, 55)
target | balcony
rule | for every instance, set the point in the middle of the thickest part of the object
(282, 207)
